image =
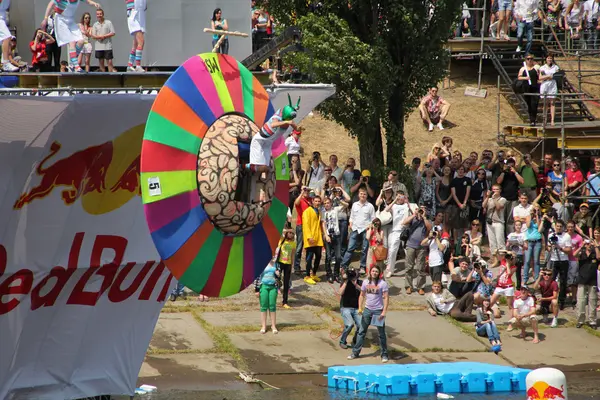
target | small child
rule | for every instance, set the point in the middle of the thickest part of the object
(285, 259)
(266, 290)
(486, 326)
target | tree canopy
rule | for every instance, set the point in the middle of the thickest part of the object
(381, 55)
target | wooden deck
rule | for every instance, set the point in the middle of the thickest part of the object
(473, 44)
(579, 135)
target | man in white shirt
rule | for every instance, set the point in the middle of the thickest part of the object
(590, 8)
(292, 143)
(399, 210)
(559, 247)
(522, 211)
(335, 168)
(524, 314)
(315, 171)
(361, 216)
(103, 31)
(526, 12)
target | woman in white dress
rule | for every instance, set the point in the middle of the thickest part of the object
(548, 87)
(86, 49)
(136, 22)
(67, 30)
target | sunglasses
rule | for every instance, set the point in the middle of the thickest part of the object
(545, 274)
(474, 224)
(481, 173)
(556, 165)
(529, 58)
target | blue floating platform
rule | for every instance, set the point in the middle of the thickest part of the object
(412, 379)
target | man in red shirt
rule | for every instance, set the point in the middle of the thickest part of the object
(302, 203)
(549, 291)
(574, 176)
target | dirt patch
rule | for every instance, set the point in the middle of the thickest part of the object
(473, 121)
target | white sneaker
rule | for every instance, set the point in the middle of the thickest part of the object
(130, 69)
(388, 274)
(554, 323)
(8, 67)
(440, 126)
(139, 70)
(430, 127)
(518, 49)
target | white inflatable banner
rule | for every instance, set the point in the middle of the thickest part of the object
(81, 284)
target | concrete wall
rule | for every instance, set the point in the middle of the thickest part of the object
(174, 28)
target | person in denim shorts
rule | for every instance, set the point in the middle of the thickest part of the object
(504, 10)
(349, 292)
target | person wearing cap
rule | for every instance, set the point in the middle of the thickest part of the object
(365, 182)
(361, 216)
(434, 109)
(549, 296)
(584, 224)
(292, 143)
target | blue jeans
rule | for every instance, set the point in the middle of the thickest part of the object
(364, 325)
(356, 239)
(351, 319)
(333, 253)
(178, 290)
(534, 249)
(223, 48)
(343, 235)
(525, 28)
(299, 247)
(490, 330)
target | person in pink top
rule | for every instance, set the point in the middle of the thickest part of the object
(505, 285)
(573, 274)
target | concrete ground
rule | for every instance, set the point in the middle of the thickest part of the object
(204, 345)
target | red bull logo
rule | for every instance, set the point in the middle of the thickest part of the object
(543, 391)
(104, 176)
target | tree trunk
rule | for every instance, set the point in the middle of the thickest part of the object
(371, 148)
(395, 131)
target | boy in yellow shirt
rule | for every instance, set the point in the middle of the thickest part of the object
(313, 239)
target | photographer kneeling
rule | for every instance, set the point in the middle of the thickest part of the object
(437, 246)
(350, 293)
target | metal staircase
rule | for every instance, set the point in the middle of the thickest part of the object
(508, 64)
(289, 36)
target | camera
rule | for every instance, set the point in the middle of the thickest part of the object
(553, 238)
(427, 165)
(316, 155)
(364, 179)
(351, 273)
(477, 265)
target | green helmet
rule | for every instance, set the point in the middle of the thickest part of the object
(289, 112)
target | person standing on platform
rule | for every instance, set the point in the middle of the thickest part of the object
(67, 30)
(52, 49)
(5, 37)
(218, 23)
(102, 32)
(136, 21)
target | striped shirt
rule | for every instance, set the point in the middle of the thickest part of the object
(268, 131)
(61, 5)
(130, 4)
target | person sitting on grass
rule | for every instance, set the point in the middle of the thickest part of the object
(349, 294)
(524, 314)
(374, 293)
(441, 302)
(266, 290)
(434, 109)
(486, 326)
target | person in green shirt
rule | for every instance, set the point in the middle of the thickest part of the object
(529, 172)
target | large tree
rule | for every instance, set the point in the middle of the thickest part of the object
(381, 55)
